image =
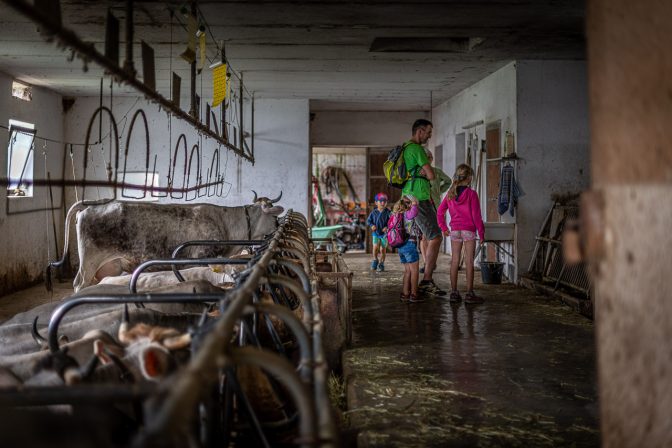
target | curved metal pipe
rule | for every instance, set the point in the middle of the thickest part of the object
(294, 324)
(303, 258)
(74, 209)
(300, 293)
(175, 262)
(113, 121)
(62, 310)
(147, 150)
(284, 372)
(305, 281)
(201, 372)
(179, 248)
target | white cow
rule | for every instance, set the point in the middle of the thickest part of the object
(116, 236)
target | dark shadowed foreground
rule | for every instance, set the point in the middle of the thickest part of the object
(518, 370)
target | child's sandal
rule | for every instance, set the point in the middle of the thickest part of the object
(404, 298)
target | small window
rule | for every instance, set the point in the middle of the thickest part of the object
(138, 178)
(20, 150)
(22, 91)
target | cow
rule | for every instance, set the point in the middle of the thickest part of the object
(19, 351)
(152, 280)
(114, 236)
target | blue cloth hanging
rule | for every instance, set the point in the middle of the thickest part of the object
(508, 191)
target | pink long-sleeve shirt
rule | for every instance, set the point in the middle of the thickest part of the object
(465, 213)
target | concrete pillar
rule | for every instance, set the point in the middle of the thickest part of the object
(629, 216)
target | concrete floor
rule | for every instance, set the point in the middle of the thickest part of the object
(29, 298)
(518, 370)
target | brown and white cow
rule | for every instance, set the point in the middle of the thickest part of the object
(116, 236)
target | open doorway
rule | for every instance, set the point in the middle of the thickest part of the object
(339, 195)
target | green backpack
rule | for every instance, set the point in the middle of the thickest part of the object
(395, 168)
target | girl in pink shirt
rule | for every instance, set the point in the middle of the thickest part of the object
(465, 220)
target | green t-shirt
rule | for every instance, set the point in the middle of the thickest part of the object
(415, 158)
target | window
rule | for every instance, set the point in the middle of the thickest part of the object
(20, 151)
(22, 91)
(138, 178)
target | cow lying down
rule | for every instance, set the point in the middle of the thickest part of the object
(151, 281)
(16, 335)
(155, 325)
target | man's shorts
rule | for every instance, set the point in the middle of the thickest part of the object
(380, 240)
(462, 235)
(408, 253)
(426, 220)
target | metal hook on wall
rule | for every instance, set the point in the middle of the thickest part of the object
(137, 113)
(87, 149)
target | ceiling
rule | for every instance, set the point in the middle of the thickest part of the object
(342, 55)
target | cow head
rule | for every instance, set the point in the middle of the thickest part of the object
(268, 205)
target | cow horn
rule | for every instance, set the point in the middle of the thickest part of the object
(273, 201)
(39, 339)
(255, 197)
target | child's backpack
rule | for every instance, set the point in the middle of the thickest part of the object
(395, 168)
(396, 231)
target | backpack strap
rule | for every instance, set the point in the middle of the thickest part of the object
(416, 170)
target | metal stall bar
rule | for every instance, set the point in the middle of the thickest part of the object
(186, 244)
(185, 391)
(88, 51)
(63, 309)
(179, 262)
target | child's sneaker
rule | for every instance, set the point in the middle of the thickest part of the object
(455, 296)
(403, 297)
(381, 266)
(374, 265)
(471, 297)
(415, 298)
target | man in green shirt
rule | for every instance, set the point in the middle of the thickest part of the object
(419, 186)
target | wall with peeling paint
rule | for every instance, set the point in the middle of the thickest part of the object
(362, 128)
(552, 141)
(25, 226)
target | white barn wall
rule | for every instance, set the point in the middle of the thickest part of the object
(281, 151)
(23, 237)
(281, 145)
(362, 128)
(552, 141)
(545, 105)
(492, 99)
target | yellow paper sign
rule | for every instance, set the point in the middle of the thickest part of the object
(218, 85)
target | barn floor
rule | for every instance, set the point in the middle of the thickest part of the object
(518, 370)
(29, 298)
